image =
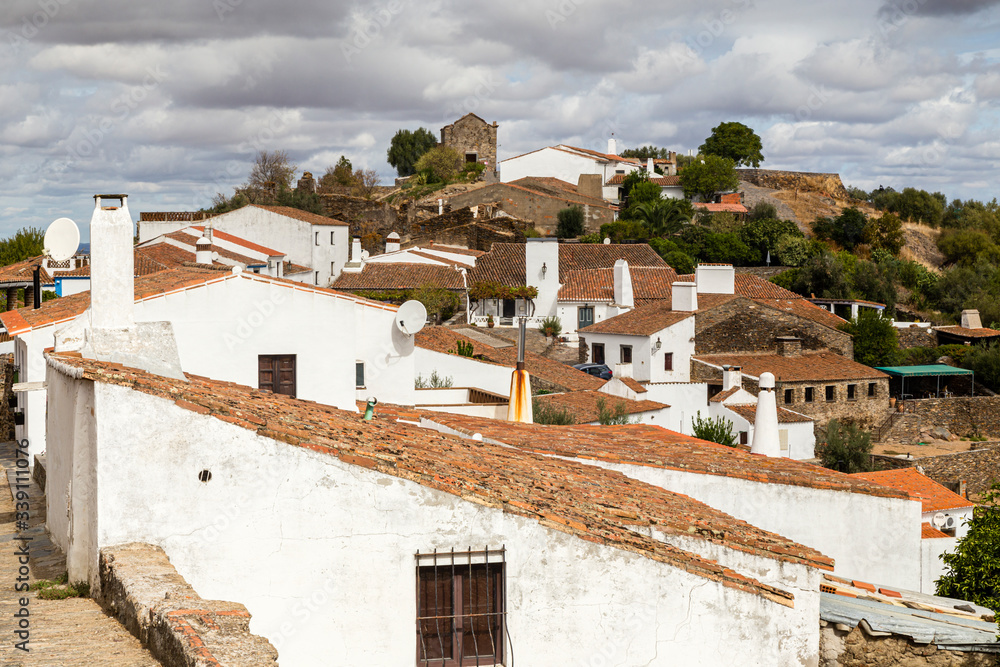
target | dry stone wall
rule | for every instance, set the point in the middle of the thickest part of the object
(829, 184)
(979, 467)
(916, 337)
(839, 648)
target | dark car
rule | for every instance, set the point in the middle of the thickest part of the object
(597, 370)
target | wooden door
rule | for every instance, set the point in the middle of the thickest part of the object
(276, 373)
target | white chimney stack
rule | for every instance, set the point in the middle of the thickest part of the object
(732, 376)
(766, 440)
(684, 297)
(650, 167)
(112, 270)
(971, 319)
(392, 242)
(612, 146)
(356, 250)
(715, 279)
(440, 206)
(623, 285)
(203, 250)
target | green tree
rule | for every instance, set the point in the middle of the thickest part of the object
(341, 174)
(964, 246)
(441, 162)
(664, 216)
(570, 224)
(763, 234)
(876, 342)
(714, 430)
(973, 572)
(616, 415)
(300, 199)
(680, 262)
(440, 303)
(919, 206)
(632, 179)
(645, 152)
(885, 233)
(711, 175)
(643, 192)
(736, 142)
(984, 360)
(845, 448)
(25, 243)
(407, 147)
(621, 231)
(791, 250)
(824, 276)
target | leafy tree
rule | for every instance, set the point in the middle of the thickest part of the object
(646, 152)
(919, 206)
(985, 361)
(612, 416)
(714, 430)
(681, 262)
(845, 448)
(407, 147)
(570, 223)
(762, 210)
(341, 174)
(964, 246)
(874, 282)
(736, 142)
(727, 249)
(885, 233)
(364, 183)
(875, 340)
(663, 216)
(822, 275)
(440, 303)
(763, 234)
(306, 201)
(791, 250)
(441, 162)
(620, 231)
(632, 179)
(974, 567)
(711, 175)
(271, 171)
(25, 243)
(643, 192)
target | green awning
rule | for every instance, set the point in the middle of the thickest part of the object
(929, 370)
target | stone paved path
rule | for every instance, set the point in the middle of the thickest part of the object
(73, 632)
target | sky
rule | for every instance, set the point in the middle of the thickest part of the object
(169, 102)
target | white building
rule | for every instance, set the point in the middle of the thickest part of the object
(308, 240)
(567, 163)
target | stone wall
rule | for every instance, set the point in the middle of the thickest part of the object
(539, 208)
(471, 134)
(365, 216)
(979, 467)
(765, 272)
(965, 415)
(840, 648)
(917, 337)
(828, 184)
(741, 326)
(462, 227)
(7, 412)
(145, 593)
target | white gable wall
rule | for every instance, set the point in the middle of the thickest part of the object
(551, 163)
(326, 549)
(647, 364)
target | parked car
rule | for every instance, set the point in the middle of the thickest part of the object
(597, 370)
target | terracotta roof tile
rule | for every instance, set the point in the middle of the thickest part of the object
(633, 384)
(720, 208)
(445, 340)
(143, 264)
(806, 367)
(749, 412)
(933, 496)
(591, 503)
(23, 272)
(929, 532)
(400, 276)
(441, 247)
(583, 405)
(504, 263)
(599, 284)
(299, 214)
(642, 321)
(236, 240)
(964, 332)
(723, 395)
(662, 181)
(169, 256)
(190, 250)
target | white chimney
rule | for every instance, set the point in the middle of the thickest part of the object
(623, 370)
(715, 279)
(623, 285)
(392, 242)
(440, 207)
(203, 250)
(356, 250)
(766, 440)
(112, 271)
(684, 297)
(650, 167)
(732, 376)
(612, 146)
(971, 319)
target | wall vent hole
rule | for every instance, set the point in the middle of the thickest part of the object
(205, 475)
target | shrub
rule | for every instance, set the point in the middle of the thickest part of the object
(714, 430)
(984, 360)
(791, 250)
(613, 416)
(974, 566)
(570, 223)
(464, 349)
(441, 162)
(876, 342)
(681, 262)
(845, 448)
(434, 382)
(546, 414)
(550, 326)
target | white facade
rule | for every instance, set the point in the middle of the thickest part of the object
(323, 248)
(648, 352)
(564, 163)
(221, 329)
(931, 565)
(343, 539)
(462, 371)
(541, 271)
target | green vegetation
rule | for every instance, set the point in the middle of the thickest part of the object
(407, 147)
(616, 415)
(24, 244)
(712, 174)
(550, 326)
(464, 349)
(60, 588)
(551, 415)
(570, 223)
(440, 164)
(845, 448)
(714, 430)
(973, 572)
(736, 142)
(435, 381)
(875, 340)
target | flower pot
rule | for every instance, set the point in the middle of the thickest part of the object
(899, 408)
(892, 402)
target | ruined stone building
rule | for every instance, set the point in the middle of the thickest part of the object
(473, 138)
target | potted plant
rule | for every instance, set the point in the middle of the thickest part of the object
(489, 321)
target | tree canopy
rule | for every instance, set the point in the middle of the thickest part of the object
(735, 141)
(271, 170)
(23, 244)
(440, 163)
(974, 567)
(710, 175)
(407, 147)
(570, 223)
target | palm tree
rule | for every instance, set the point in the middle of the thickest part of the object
(664, 217)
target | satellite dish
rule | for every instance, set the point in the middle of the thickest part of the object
(215, 256)
(411, 317)
(62, 239)
(939, 520)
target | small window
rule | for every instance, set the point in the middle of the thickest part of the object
(333, 268)
(872, 390)
(276, 373)
(626, 354)
(744, 439)
(783, 440)
(852, 392)
(332, 240)
(460, 611)
(317, 238)
(788, 396)
(316, 279)
(809, 395)
(359, 375)
(597, 353)
(668, 361)
(831, 393)
(471, 158)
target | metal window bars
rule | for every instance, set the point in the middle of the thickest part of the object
(461, 607)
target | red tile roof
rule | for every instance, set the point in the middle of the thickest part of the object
(441, 247)
(169, 256)
(720, 208)
(662, 181)
(933, 496)
(504, 263)
(723, 395)
(23, 272)
(299, 214)
(642, 321)
(964, 332)
(249, 245)
(633, 384)
(585, 408)
(190, 250)
(658, 447)
(400, 276)
(806, 367)
(445, 340)
(749, 412)
(143, 264)
(599, 284)
(929, 532)
(588, 502)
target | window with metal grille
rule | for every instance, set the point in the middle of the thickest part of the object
(460, 608)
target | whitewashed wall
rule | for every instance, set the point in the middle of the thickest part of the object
(71, 285)
(463, 371)
(386, 352)
(549, 162)
(28, 357)
(685, 400)
(539, 252)
(869, 537)
(647, 365)
(962, 517)
(569, 315)
(931, 565)
(322, 553)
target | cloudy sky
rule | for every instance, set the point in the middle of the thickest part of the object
(168, 101)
